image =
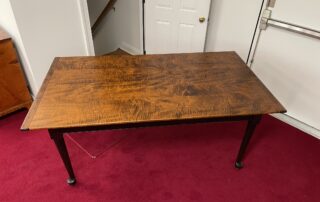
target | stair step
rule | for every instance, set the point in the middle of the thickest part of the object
(119, 51)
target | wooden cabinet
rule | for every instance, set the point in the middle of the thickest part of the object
(14, 93)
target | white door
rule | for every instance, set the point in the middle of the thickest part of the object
(288, 62)
(176, 26)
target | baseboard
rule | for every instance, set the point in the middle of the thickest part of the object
(130, 49)
(298, 124)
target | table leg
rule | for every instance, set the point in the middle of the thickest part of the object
(57, 137)
(252, 123)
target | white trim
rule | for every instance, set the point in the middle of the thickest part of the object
(298, 124)
(207, 31)
(86, 27)
(257, 35)
(141, 24)
(130, 49)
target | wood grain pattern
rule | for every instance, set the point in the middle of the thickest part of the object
(14, 93)
(120, 89)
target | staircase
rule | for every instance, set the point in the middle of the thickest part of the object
(98, 22)
(105, 11)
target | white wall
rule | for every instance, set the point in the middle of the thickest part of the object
(8, 23)
(95, 8)
(121, 29)
(47, 29)
(286, 62)
(289, 65)
(232, 24)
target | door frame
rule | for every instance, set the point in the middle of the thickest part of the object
(142, 26)
(86, 27)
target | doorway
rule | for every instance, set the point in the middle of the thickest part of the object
(151, 27)
(175, 26)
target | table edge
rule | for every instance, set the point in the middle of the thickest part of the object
(153, 123)
(29, 117)
(27, 121)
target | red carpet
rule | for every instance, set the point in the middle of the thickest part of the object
(178, 163)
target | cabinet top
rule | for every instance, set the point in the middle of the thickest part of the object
(4, 35)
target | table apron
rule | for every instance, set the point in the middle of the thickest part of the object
(153, 124)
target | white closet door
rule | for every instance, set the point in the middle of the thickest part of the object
(288, 63)
(176, 26)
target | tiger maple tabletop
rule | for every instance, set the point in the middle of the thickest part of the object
(117, 91)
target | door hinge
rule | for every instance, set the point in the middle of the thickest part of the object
(266, 15)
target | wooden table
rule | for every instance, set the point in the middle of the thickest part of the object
(115, 92)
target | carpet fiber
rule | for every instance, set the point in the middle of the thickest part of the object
(176, 163)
